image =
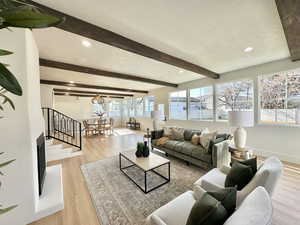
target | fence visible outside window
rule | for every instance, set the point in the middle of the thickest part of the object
(201, 103)
(149, 105)
(178, 105)
(280, 98)
(236, 95)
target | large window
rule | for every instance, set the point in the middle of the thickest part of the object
(280, 98)
(161, 109)
(178, 105)
(149, 105)
(125, 108)
(139, 107)
(115, 108)
(131, 107)
(234, 96)
(201, 104)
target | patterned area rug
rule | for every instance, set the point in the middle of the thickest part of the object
(118, 201)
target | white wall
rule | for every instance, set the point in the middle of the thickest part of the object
(281, 141)
(20, 128)
(47, 96)
(79, 108)
(75, 107)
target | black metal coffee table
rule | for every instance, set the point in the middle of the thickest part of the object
(148, 164)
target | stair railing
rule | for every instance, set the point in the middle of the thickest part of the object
(62, 127)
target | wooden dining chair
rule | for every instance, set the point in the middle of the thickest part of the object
(89, 128)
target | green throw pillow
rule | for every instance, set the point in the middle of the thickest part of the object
(207, 211)
(239, 176)
(250, 162)
(227, 196)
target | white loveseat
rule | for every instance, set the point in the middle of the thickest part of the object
(266, 176)
(256, 209)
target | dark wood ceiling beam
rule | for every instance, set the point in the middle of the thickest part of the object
(82, 95)
(93, 71)
(91, 31)
(289, 12)
(92, 92)
(90, 96)
(68, 84)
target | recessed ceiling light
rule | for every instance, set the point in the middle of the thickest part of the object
(181, 71)
(69, 88)
(72, 82)
(86, 43)
(248, 49)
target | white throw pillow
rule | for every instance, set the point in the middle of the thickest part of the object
(205, 139)
(168, 131)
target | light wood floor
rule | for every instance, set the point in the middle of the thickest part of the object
(79, 208)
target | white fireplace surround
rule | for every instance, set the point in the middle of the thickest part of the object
(19, 131)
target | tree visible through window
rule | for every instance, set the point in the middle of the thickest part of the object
(201, 104)
(139, 107)
(280, 98)
(178, 105)
(234, 96)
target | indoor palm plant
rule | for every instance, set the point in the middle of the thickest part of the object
(17, 13)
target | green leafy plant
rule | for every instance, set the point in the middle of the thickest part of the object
(18, 13)
(4, 210)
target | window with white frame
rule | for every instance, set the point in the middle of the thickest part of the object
(280, 98)
(149, 105)
(131, 107)
(139, 107)
(201, 103)
(178, 105)
(161, 109)
(237, 95)
(125, 108)
(97, 108)
(115, 108)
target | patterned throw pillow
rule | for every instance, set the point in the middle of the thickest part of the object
(177, 133)
(205, 139)
(195, 139)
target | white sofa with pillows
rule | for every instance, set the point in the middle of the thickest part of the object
(211, 198)
(267, 176)
(256, 209)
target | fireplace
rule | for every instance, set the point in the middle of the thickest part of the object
(41, 160)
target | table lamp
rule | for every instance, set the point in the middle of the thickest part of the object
(240, 119)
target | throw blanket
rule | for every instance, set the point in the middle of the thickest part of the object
(162, 140)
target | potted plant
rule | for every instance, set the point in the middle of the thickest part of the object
(17, 13)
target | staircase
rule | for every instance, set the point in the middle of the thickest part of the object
(59, 152)
(66, 131)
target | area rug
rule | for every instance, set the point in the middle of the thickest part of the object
(118, 201)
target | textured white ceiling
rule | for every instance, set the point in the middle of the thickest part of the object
(210, 33)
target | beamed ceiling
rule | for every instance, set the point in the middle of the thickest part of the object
(209, 33)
